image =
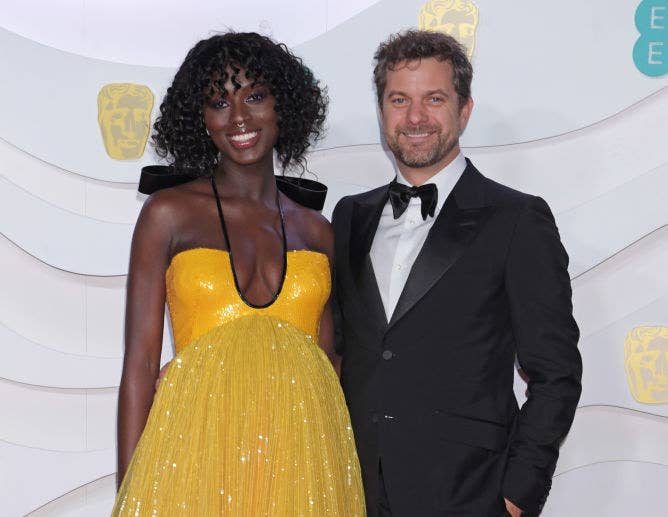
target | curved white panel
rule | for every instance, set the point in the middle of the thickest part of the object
(105, 201)
(76, 420)
(92, 500)
(614, 489)
(29, 410)
(105, 316)
(349, 170)
(364, 166)
(605, 225)
(42, 304)
(61, 313)
(101, 411)
(546, 102)
(622, 285)
(66, 420)
(530, 81)
(30, 363)
(42, 179)
(628, 290)
(62, 239)
(119, 203)
(629, 435)
(69, 135)
(575, 168)
(32, 477)
(92, 28)
(605, 378)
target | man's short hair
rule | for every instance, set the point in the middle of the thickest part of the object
(413, 45)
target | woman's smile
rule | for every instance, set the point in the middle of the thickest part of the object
(244, 140)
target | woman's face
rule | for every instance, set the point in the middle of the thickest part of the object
(243, 124)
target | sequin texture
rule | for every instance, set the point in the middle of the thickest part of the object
(249, 418)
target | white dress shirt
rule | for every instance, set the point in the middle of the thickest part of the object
(398, 242)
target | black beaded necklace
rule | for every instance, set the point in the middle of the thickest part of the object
(229, 248)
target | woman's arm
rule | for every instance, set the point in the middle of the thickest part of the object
(326, 338)
(144, 316)
(324, 239)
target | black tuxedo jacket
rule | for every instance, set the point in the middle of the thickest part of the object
(430, 392)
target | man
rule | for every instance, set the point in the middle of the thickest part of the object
(442, 278)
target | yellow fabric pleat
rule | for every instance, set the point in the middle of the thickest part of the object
(249, 420)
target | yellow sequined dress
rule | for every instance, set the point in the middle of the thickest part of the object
(249, 419)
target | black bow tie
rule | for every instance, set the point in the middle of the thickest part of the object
(400, 196)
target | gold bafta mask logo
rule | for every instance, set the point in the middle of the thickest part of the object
(646, 364)
(458, 18)
(124, 115)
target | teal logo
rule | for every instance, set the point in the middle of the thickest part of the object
(650, 53)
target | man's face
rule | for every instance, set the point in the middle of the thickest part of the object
(421, 115)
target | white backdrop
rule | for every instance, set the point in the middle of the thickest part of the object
(561, 111)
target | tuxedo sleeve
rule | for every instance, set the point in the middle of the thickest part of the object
(546, 335)
(337, 315)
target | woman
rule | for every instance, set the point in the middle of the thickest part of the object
(249, 418)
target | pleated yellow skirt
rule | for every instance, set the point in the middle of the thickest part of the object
(249, 420)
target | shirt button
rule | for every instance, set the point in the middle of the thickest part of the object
(387, 354)
(399, 266)
(411, 222)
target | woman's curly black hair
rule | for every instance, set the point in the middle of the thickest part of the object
(301, 104)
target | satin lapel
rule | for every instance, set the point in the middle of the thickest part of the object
(453, 231)
(366, 215)
(369, 295)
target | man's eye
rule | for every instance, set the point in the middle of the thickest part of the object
(398, 100)
(437, 100)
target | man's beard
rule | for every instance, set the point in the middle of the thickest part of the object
(419, 157)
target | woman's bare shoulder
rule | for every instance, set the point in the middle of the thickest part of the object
(170, 205)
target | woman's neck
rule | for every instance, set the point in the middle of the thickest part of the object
(254, 182)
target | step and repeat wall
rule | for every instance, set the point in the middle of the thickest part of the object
(571, 104)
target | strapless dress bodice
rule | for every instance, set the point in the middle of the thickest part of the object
(201, 293)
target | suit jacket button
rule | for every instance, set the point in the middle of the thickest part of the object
(387, 354)
(374, 418)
